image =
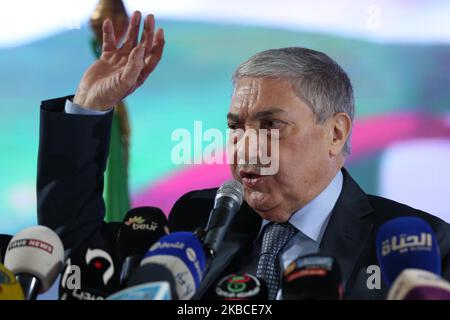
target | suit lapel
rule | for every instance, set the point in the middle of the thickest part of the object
(347, 232)
(230, 248)
(244, 229)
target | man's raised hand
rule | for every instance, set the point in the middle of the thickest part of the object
(120, 71)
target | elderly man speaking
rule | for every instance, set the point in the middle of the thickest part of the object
(310, 204)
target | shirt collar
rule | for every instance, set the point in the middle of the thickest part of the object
(311, 218)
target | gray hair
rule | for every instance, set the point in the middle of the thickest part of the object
(317, 79)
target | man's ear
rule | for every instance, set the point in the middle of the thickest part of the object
(341, 126)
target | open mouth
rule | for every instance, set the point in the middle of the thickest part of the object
(251, 179)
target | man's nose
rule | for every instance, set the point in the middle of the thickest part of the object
(248, 147)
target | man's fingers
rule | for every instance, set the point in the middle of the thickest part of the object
(133, 68)
(156, 51)
(147, 35)
(109, 40)
(133, 32)
(154, 56)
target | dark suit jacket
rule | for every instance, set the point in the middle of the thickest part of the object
(72, 157)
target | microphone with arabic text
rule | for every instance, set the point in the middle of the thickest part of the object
(35, 255)
(183, 255)
(406, 243)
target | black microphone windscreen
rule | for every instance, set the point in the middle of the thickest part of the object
(4, 241)
(241, 286)
(91, 272)
(312, 277)
(153, 272)
(142, 226)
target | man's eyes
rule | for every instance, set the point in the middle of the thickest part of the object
(272, 124)
(264, 124)
(233, 126)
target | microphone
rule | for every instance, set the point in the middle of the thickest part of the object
(4, 241)
(35, 255)
(416, 284)
(227, 202)
(405, 243)
(148, 282)
(141, 227)
(312, 277)
(183, 255)
(91, 273)
(10, 289)
(241, 286)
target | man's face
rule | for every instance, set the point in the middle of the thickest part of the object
(304, 147)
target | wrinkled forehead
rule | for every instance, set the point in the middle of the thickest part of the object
(252, 95)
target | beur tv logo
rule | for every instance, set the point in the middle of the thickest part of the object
(138, 223)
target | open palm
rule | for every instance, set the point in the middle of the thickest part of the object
(120, 71)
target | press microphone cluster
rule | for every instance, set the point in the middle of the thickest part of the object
(181, 259)
(146, 262)
(102, 269)
(408, 254)
(172, 269)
